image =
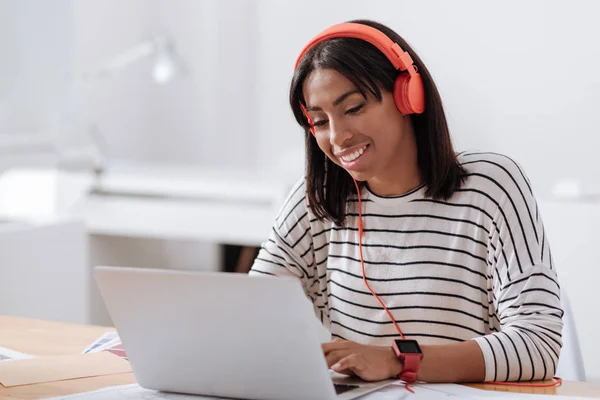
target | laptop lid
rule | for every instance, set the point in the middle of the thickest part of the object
(218, 334)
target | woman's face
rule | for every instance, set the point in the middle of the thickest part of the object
(367, 138)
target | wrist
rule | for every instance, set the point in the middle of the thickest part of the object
(395, 364)
(410, 355)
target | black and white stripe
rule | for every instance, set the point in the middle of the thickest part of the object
(477, 266)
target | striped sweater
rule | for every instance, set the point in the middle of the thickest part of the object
(477, 266)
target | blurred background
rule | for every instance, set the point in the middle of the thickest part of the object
(157, 133)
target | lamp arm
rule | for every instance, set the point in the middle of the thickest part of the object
(124, 59)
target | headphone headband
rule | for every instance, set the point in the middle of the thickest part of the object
(398, 57)
(409, 92)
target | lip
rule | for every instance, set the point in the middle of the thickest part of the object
(349, 150)
(356, 163)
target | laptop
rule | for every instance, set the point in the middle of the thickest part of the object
(222, 334)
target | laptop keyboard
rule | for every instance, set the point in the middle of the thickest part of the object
(341, 388)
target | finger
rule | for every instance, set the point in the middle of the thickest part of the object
(353, 362)
(336, 345)
(345, 372)
(335, 356)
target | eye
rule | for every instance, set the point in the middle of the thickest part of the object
(320, 123)
(355, 109)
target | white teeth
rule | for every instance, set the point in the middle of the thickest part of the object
(353, 156)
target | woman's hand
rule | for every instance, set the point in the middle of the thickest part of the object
(371, 363)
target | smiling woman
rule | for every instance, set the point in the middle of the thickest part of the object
(424, 264)
(366, 136)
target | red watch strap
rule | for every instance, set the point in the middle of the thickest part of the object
(412, 362)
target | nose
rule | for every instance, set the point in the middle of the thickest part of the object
(338, 132)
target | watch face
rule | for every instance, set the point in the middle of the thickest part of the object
(408, 346)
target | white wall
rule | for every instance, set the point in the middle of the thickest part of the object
(202, 118)
(572, 231)
(34, 59)
(518, 77)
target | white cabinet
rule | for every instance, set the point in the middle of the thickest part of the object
(44, 270)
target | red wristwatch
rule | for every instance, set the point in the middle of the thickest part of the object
(409, 352)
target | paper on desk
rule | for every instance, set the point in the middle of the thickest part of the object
(392, 392)
(135, 392)
(449, 391)
(107, 338)
(131, 392)
(8, 354)
(58, 368)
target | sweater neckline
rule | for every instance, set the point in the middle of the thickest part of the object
(416, 193)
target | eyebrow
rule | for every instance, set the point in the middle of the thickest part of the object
(336, 102)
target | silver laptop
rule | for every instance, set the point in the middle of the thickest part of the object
(221, 334)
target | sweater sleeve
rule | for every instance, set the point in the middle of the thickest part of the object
(524, 291)
(289, 249)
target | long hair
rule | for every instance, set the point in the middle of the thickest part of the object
(328, 186)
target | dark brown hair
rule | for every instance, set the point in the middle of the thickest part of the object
(328, 185)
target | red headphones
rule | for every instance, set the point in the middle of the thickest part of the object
(409, 93)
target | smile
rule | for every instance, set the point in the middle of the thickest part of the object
(353, 156)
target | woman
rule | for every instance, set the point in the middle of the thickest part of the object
(395, 236)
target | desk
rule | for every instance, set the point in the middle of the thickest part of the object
(44, 338)
(170, 202)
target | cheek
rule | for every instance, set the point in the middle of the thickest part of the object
(325, 147)
(386, 131)
(323, 143)
(375, 123)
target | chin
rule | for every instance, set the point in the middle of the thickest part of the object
(359, 176)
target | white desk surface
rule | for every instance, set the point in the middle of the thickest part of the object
(235, 207)
(162, 202)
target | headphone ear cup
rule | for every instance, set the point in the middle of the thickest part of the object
(409, 93)
(400, 98)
